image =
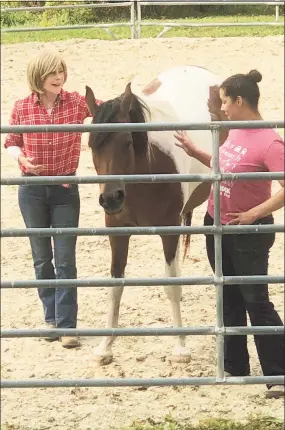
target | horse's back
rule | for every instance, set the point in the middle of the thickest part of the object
(184, 90)
(182, 96)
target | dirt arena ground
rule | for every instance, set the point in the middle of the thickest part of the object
(107, 67)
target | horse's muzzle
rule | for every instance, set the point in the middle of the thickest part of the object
(112, 202)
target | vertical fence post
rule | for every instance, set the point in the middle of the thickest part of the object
(139, 19)
(218, 258)
(277, 13)
(133, 20)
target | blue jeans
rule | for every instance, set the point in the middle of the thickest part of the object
(53, 206)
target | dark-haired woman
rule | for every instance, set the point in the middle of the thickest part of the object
(245, 202)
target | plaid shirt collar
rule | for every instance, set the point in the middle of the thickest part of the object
(62, 96)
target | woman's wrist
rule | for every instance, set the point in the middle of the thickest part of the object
(202, 156)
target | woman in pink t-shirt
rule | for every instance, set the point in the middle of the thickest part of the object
(245, 202)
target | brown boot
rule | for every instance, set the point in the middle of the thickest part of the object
(70, 342)
(49, 327)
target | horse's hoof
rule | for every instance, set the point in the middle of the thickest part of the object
(103, 360)
(180, 355)
(180, 358)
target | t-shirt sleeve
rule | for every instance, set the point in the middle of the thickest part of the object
(274, 157)
(14, 139)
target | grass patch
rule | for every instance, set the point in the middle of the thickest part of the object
(257, 423)
(150, 32)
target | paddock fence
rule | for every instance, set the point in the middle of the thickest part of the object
(136, 21)
(217, 280)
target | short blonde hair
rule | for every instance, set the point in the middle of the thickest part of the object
(41, 66)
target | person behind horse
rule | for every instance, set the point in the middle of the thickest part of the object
(50, 154)
(245, 202)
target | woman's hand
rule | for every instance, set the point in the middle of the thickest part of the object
(214, 108)
(266, 208)
(214, 103)
(186, 143)
(29, 166)
(191, 149)
(242, 218)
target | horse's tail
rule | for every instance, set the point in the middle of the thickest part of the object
(187, 218)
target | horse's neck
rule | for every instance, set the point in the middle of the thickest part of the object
(142, 164)
(154, 160)
(160, 110)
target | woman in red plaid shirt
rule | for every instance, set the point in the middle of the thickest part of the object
(50, 154)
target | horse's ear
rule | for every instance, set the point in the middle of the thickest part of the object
(91, 101)
(126, 103)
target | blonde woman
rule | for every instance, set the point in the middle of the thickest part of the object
(50, 154)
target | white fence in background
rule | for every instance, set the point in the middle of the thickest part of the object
(136, 21)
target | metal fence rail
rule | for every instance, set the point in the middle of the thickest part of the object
(101, 179)
(142, 231)
(142, 282)
(168, 25)
(140, 382)
(153, 126)
(136, 21)
(106, 27)
(193, 331)
(218, 280)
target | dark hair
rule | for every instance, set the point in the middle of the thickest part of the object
(244, 86)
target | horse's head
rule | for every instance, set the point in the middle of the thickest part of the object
(114, 153)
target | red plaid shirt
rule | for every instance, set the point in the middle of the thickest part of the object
(59, 152)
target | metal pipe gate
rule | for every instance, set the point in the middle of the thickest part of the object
(218, 280)
(106, 27)
(169, 25)
(136, 21)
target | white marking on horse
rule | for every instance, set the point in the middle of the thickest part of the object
(182, 97)
(173, 293)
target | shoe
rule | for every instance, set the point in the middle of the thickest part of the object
(48, 326)
(275, 392)
(70, 342)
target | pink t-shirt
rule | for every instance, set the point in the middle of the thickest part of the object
(248, 150)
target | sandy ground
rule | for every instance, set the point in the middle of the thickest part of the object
(107, 67)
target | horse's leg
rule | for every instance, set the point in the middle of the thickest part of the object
(119, 247)
(171, 252)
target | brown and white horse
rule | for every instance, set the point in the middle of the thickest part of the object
(178, 95)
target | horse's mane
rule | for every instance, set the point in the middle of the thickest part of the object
(109, 112)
